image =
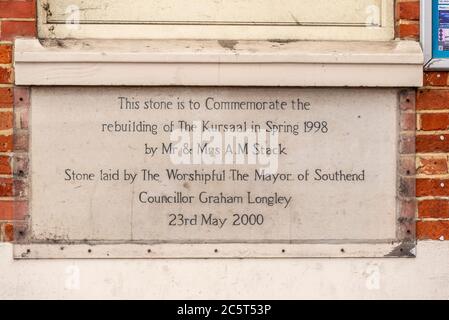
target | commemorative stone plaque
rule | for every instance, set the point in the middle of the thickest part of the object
(214, 165)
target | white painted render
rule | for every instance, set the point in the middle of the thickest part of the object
(424, 277)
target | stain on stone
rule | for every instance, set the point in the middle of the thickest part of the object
(60, 44)
(281, 41)
(404, 220)
(26, 254)
(403, 187)
(46, 7)
(228, 44)
(403, 250)
(53, 43)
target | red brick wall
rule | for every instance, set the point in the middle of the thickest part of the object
(407, 23)
(432, 138)
(17, 19)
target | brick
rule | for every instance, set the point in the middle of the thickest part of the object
(409, 10)
(6, 97)
(6, 75)
(21, 140)
(5, 53)
(432, 143)
(20, 230)
(6, 143)
(432, 230)
(407, 144)
(436, 209)
(408, 121)
(408, 31)
(13, 210)
(407, 187)
(429, 99)
(6, 187)
(432, 187)
(8, 231)
(12, 29)
(17, 9)
(407, 165)
(436, 78)
(407, 100)
(434, 121)
(407, 209)
(431, 166)
(20, 188)
(407, 221)
(5, 165)
(21, 117)
(21, 97)
(20, 166)
(6, 120)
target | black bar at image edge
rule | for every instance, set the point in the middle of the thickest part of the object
(223, 309)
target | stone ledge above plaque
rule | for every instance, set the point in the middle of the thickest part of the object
(218, 63)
